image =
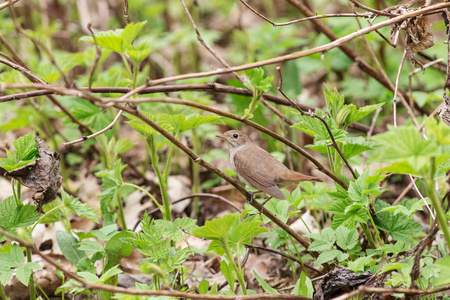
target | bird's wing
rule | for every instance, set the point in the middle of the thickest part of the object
(258, 175)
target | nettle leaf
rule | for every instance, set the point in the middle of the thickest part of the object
(334, 101)
(443, 265)
(138, 53)
(13, 216)
(118, 40)
(322, 242)
(245, 231)
(440, 132)
(359, 264)
(350, 147)
(79, 208)
(181, 123)
(349, 218)
(176, 230)
(258, 81)
(26, 147)
(317, 129)
(145, 129)
(346, 238)
(399, 226)
(215, 229)
(410, 152)
(328, 256)
(350, 113)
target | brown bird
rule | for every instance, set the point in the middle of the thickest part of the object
(257, 168)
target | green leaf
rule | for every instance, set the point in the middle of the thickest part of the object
(443, 265)
(317, 129)
(327, 256)
(245, 231)
(215, 229)
(175, 230)
(116, 249)
(266, 287)
(13, 216)
(80, 209)
(26, 147)
(69, 247)
(17, 254)
(138, 53)
(410, 152)
(359, 264)
(203, 287)
(346, 238)
(398, 226)
(334, 101)
(303, 286)
(110, 273)
(258, 81)
(145, 129)
(355, 114)
(227, 271)
(118, 40)
(23, 274)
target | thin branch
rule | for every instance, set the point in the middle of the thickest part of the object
(374, 11)
(7, 3)
(98, 54)
(345, 15)
(394, 100)
(284, 255)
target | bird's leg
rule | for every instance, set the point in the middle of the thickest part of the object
(262, 205)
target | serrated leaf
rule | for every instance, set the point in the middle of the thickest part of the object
(346, 238)
(333, 100)
(317, 129)
(398, 226)
(17, 254)
(80, 209)
(26, 147)
(23, 274)
(215, 229)
(245, 231)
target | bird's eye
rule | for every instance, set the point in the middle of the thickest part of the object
(235, 135)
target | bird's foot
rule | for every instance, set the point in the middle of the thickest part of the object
(262, 205)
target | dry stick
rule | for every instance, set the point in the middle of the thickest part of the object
(377, 12)
(7, 3)
(313, 115)
(284, 255)
(200, 195)
(213, 87)
(364, 66)
(131, 291)
(126, 15)
(97, 55)
(345, 15)
(397, 80)
(403, 193)
(320, 49)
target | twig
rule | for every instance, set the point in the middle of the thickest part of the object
(403, 193)
(314, 115)
(97, 55)
(85, 138)
(377, 12)
(394, 100)
(126, 15)
(7, 3)
(284, 255)
(345, 15)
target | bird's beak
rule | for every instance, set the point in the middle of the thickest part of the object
(221, 136)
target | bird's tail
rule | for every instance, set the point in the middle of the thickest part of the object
(293, 176)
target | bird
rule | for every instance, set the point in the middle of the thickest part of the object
(258, 168)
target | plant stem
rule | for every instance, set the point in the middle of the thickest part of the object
(442, 219)
(240, 278)
(31, 283)
(374, 227)
(147, 193)
(162, 182)
(195, 173)
(368, 235)
(120, 215)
